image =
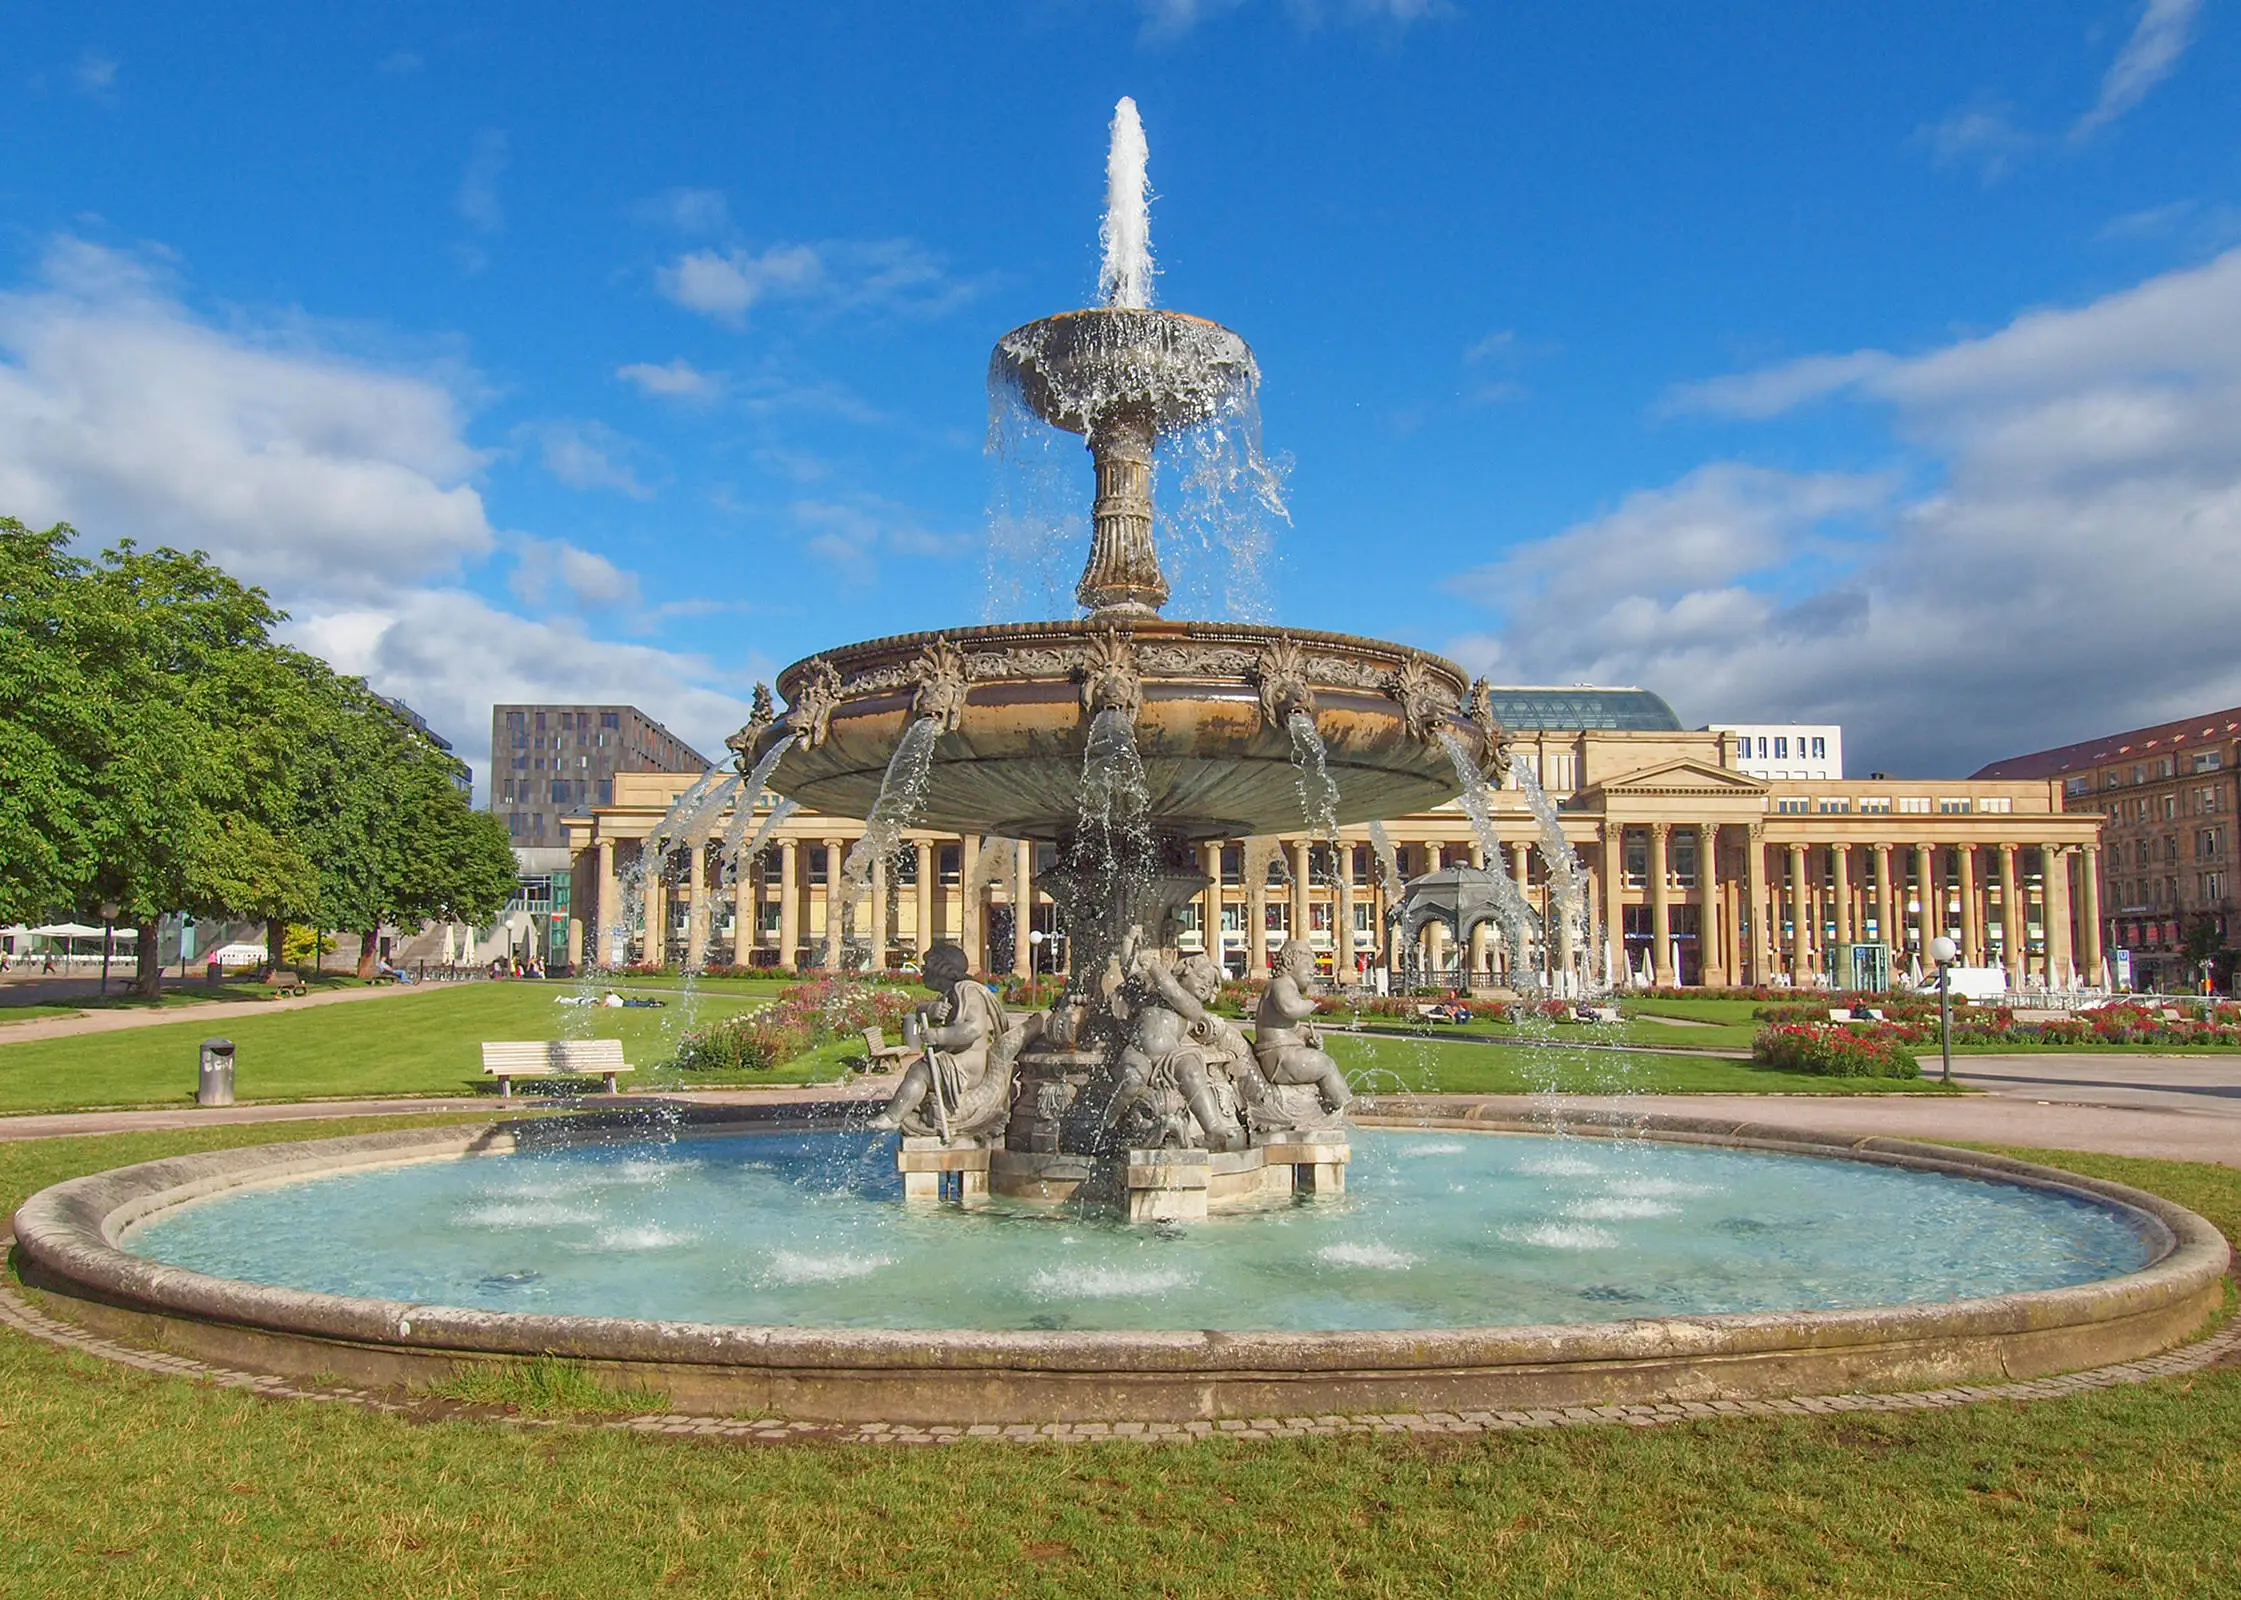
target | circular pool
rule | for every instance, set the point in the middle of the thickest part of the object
(1468, 1264)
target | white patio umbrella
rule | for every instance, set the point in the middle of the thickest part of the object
(451, 952)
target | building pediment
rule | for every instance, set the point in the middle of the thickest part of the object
(1696, 779)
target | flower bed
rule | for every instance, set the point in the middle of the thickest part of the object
(802, 1018)
(1833, 1050)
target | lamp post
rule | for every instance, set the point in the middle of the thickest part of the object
(1035, 941)
(108, 936)
(1943, 951)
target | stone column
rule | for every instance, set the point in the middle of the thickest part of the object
(1342, 918)
(2089, 919)
(1210, 903)
(922, 936)
(656, 911)
(2011, 919)
(789, 901)
(2061, 964)
(1299, 850)
(1972, 918)
(1256, 914)
(1839, 963)
(878, 917)
(1886, 902)
(1661, 915)
(969, 923)
(1023, 909)
(1711, 920)
(604, 952)
(1927, 914)
(696, 908)
(1754, 880)
(1610, 872)
(834, 853)
(1801, 932)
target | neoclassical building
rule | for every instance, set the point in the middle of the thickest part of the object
(1700, 873)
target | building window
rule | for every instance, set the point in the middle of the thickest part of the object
(610, 719)
(2213, 886)
(1996, 805)
(1781, 748)
(606, 791)
(1820, 749)
(1233, 865)
(950, 863)
(1793, 806)
(1233, 918)
(1952, 807)
(1838, 807)
(1876, 806)
(2208, 760)
(906, 865)
(1914, 805)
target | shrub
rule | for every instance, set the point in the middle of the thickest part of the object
(1834, 1051)
(803, 1017)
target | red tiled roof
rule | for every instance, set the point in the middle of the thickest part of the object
(2165, 737)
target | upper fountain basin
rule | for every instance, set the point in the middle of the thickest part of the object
(1210, 704)
(1079, 366)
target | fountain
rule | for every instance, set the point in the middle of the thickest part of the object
(1194, 730)
(778, 1260)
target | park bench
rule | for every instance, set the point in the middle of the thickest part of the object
(287, 981)
(884, 1056)
(554, 1058)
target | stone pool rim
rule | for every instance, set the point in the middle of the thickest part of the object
(67, 1247)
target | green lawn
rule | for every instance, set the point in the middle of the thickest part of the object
(129, 1485)
(1421, 1064)
(416, 1041)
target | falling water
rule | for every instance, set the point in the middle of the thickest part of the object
(1388, 859)
(902, 791)
(1125, 279)
(1566, 879)
(1318, 793)
(1512, 914)
(750, 796)
(1115, 793)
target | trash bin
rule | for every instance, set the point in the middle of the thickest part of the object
(216, 1087)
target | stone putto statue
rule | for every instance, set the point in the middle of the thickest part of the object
(1288, 1049)
(1182, 1064)
(960, 1084)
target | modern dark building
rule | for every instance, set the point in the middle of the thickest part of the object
(549, 762)
(462, 779)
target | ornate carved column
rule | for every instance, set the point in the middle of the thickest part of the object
(1210, 904)
(2089, 918)
(1023, 909)
(834, 854)
(1298, 851)
(1801, 915)
(1711, 924)
(1972, 914)
(1755, 895)
(1661, 915)
(1886, 903)
(922, 935)
(606, 950)
(1839, 963)
(2011, 919)
(1343, 963)
(1928, 914)
(2061, 963)
(789, 902)
(971, 925)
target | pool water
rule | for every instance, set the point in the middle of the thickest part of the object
(1436, 1230)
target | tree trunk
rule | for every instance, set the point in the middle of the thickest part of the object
(276, 938)
(366, 943)
(147, 981)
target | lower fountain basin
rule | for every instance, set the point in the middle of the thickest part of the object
(773, 1269)
(1216, 763)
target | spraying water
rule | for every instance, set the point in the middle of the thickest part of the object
(1512, 914)
(901, 792)
(1125, 279)
(750, 797)
(1318, 792)
(1567, 879)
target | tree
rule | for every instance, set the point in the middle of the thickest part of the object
(52, 723)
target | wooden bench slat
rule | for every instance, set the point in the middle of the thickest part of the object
(508, 1059)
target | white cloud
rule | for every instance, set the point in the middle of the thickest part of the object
(1983, 137)
(701, 211)
(2165, 29)
(676, 379)
(554, 569)
(122, 412)
(95, 76)
(344, 487)
(1168, 19)
(2073, 569)
(589, 455)
(853, 534)
(477, 200)
(890, 275)
(451, 655)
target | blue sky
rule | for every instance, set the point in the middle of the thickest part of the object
(1878, 364)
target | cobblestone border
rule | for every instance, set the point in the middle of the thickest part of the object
(22, 1316)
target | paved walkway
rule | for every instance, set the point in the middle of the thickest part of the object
(206, 1011)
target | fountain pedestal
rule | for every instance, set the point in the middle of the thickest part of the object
(935, 1169)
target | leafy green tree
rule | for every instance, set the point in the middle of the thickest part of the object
(53, 722)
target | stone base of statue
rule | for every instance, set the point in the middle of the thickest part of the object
(1170, 1184)
(936, 1169)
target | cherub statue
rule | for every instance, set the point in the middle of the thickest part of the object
(1288, 1049)
(1176, 1047)
(961, 1082)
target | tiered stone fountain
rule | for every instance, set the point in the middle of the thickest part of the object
(1124, 738)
